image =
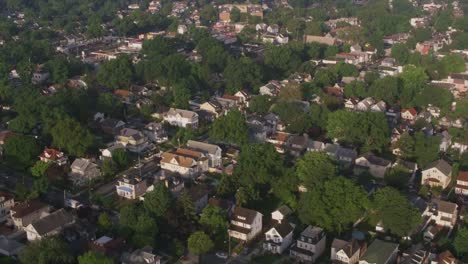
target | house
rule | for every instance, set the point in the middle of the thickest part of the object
(431, 232)
(49, 225)
(310, 245)
(437, 173)
(351, 103)
(327, 40)
(445, 141)
(380, 252)
(9, 247)
(281, 213)
(409, 114)
(131, 187)
(181, 29)
(388, 62)
(108, 246)
(112, 126)
(211, 151)
(298, 144)
(462, 183)
(107, 152)
(244, 97)
(282, 39)
(6, 203)
(459, 123)
(40, 76)
(272, 88)
(278, 237)
(344, 156)
(155, 132)
(315, 146)
(380, 106)
(376, 166)
(365, 104)
(199, 196)
(4, 135)
(213, 108)
(245, 224)
(434, 111)
(133, 140)
(83, 170)
(258, 128)
(50, 155)
(186, 162)
(181, 118)
(279, 140)
(447, 257)
(141, 256)
(443, 213)
(25, 213)
(346, 252)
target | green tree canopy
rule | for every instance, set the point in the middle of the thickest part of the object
(199, 243)
(214, 220)
(241, 74)
(230, 128)
(397, 214)
(116, 73)
(21, 151)
(158, 201)
(333, 204)
(400, 53)
(49, 250)
(69, 135)
(460, 243)
(91, 257)
(315, 167)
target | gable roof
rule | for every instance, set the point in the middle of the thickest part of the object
(446, 207)
(379, 251)
(283, 228)
(411, 110)
(244, 215)
(441, 165)
(210, 148)
(312, 231)
(27, 207)
(182, 161)
(369, 156)
(181, 112)
(51, 154)
(463, 176)
(53, 221)
(349, 247)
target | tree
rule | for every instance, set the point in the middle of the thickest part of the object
(282, 60)
(443, 20)
(435, 96)
(356, 89)
(333, 204)
(182, 96)
(315, 167)
(39, 169)
(242, 74)
(406, 144)
(460, 243)
(21, 151)
(325, 77)
(291, 92)
(208, 15)
(285, 188)
(186, 204)
(451, 63)
(397, 177)
(414, 80)
(116, 73)
(49, 250)
(260, 104)
(214, 220)
(235, 15)
(92, 257)
(120, 157)
(400, 53)
(158, 201)
(199, 243)
(426, 148)
(397, 214)
(387, 89)
(69, 135)
(104, 222)
(230, 128)
(346, 69)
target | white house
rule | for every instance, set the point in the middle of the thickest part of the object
(310, 245)
(443, 213)
(181, 118)
(186, 162)
(6, 203)
(462, 183)
(83, 170)
(281, 213)
(279, 237)
(211, 151)
(50, 225)
(377, 166)
(345, 252)
(245, 224)
(437, 173)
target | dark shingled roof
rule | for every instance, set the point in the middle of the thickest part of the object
(244, 215)
(51, 222)
(26, 208)
(349, 248)
(441, 165)
(283, 228)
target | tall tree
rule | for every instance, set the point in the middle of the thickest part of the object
(315, 167)
(333, 204)
(230, 128)
(21, 151)
(91, 257)
(414, 80)
(49, 250)
(199, 243)
(116, 73)
(70, 136)
(397, 214)
(158, 201)
(214, 220)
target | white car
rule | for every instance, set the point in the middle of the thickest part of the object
(222, 255)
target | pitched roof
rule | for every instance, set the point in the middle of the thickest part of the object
(284, 210)
(244, 215)
(202, 146)
(188, 153)
(411, 110)
(283, 228)
(446, 207)
(369, 156)
(463, 176)
(182, 161)
(53, 221)
(27, 207)
(349, 247)
(51, 154)
(312, 231)
(183, 113)
(379, 251)
(441, 165)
